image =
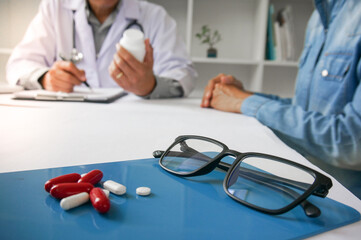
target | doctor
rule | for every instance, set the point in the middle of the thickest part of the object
(94, 27)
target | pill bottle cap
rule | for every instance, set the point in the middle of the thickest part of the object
(133, 37)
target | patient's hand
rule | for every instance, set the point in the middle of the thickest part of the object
(221, 78)
(228, 97)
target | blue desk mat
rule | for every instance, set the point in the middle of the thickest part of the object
(178, 208)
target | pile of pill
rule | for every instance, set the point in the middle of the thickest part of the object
(74, 190)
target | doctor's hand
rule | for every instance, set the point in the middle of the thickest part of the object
(62, 76)
(221, 78)
(132, 75)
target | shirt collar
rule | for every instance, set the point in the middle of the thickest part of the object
(128, 8)
(73, 4)
(92, 18)
(327, 10)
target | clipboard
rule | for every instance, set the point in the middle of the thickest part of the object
(178, 208)
(96, 95)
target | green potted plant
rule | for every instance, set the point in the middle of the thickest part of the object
(207, 36)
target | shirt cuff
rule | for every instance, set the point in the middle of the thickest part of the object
(252, 104)
(165, 88)
(30, 81)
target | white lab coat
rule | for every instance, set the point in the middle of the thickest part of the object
(50, 33)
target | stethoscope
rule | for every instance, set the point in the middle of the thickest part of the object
(77, 56)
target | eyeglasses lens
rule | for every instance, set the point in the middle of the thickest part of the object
(190, 155)
(267, 183)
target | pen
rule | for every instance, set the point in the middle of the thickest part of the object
(86, 84)
(70, 60)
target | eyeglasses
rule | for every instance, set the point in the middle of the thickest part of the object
(263, 182)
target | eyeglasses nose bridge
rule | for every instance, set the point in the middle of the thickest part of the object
(225, 153)
(230, 152)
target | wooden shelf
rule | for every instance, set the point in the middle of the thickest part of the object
(224, 61)
(281, 63)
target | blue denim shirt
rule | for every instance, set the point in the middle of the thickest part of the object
(323, 120)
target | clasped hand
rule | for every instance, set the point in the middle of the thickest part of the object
(224, 93)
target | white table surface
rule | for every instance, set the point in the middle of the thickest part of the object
(38, 135)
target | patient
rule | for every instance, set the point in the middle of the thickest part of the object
(323, 119)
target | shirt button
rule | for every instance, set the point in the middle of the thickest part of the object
(324, 73)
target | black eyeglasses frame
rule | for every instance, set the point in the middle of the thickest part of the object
(319, 187)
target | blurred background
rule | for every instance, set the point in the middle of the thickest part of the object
(243, 26)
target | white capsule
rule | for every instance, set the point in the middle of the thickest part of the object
(115, 187)
(74, 200)
(106, 192)
(143, 191)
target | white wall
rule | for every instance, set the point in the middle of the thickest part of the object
(15, 16)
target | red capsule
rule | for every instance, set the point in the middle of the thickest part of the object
(99, 200)
(67, 178)
(63, 190)
(92, 177)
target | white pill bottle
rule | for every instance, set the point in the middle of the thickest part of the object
(133, 42)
